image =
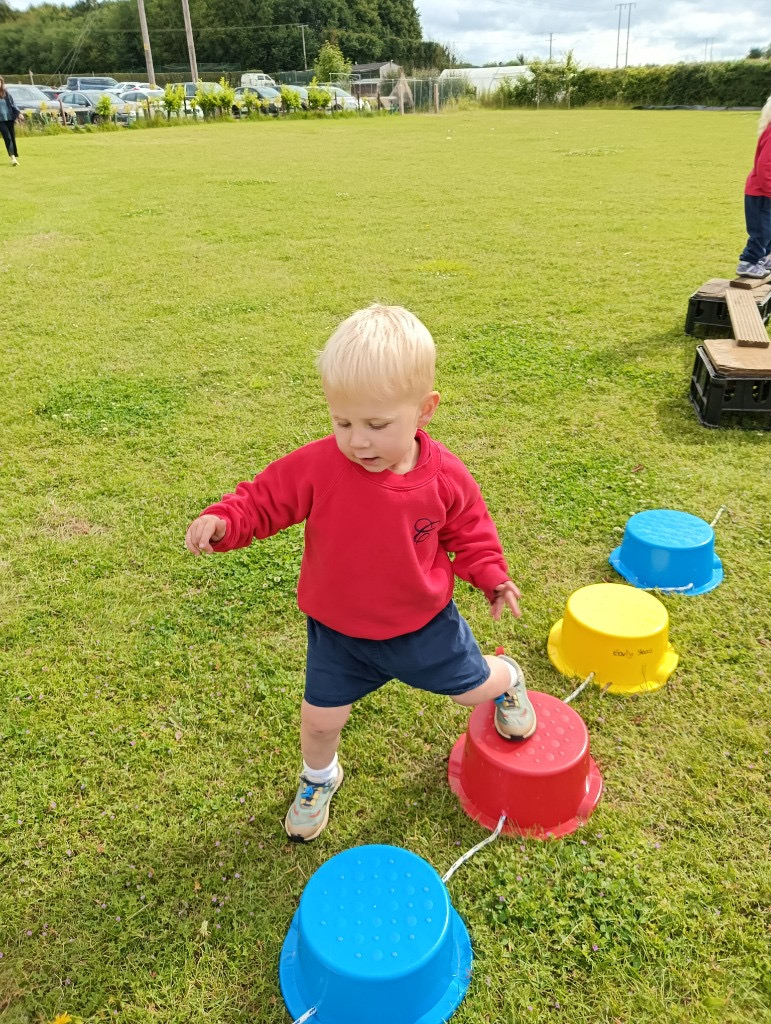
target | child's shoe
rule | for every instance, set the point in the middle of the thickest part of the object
(756, 270)
(766, 262)
(14, 161)
(308, 816)
(514, 714)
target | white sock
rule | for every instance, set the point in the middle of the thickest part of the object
(513, 683)
(321, 774)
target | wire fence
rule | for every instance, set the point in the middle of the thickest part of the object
(420, 94)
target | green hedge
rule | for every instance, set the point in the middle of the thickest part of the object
(739, 83)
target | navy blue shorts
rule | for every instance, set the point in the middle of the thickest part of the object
(442, 657)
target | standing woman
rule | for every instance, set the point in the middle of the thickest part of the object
(9, 114)
(755, 260)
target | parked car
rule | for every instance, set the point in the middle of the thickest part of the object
(257, 78)
(125, 86)
(141, 95)
(342, 100)
(261, 92)
(76, 83)
(80, 107)
(301, 91)
(191, 88)
(30, 99)
(52, 94)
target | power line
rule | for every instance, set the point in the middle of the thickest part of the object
(207, 29)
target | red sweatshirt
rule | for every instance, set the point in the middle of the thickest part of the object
(759, 180)
(375, 563)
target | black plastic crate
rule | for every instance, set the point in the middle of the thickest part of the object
(747, 399)
(711, 312)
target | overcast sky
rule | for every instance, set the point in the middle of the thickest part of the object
(661, 31)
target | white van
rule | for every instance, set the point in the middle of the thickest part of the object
(257, 78)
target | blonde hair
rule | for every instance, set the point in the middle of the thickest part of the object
(383, 350)
(765, 117)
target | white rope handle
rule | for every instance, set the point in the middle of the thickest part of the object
(475, 849)
(578, 689)
(720, 511)
(306, 1016)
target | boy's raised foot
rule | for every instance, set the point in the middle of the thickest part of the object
(756, 270)
(514, 714)
(308, 816)
(14, 162)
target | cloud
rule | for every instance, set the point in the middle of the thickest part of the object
(659, 32)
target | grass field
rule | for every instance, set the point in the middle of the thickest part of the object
(163, 295)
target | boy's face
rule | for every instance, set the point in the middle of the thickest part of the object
(379, 433)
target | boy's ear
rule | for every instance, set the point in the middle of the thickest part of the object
(428, 408)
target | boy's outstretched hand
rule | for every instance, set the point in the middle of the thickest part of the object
(507, 594)
(203, 532)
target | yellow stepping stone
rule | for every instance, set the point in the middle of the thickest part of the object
(620, 633)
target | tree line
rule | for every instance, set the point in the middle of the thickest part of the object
(104, 35)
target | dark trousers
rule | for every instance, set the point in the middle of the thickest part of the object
(757, 214)
(9, 137)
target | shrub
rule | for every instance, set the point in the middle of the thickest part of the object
(104, 109)
(720, 83)
(225, 97)
(250, 102)
(206, 100)
(318, 98)
(173, 98)
(505, 95)
(290, 99)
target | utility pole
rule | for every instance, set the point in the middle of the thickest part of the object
(190, 42)
(305, 56)
(628, 23)
(551, 36)
(619, 8)
(708, 43)
(146, 42)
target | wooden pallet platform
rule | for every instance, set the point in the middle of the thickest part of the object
(715, 288)
(749, 329)
(731, 360)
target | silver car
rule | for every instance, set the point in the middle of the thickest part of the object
(81, 107)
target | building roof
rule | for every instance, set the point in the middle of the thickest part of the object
(358, 68)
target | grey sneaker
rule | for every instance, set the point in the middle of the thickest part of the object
(766, 262)
(745, 269)
(514, 714)
(308, 816)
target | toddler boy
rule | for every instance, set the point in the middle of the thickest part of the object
(383, 504)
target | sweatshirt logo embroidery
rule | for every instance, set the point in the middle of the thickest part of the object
(423, 529)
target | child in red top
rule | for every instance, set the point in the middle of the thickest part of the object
(755, 260)
(383, 506)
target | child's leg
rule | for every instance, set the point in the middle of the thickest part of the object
(496, 684)
(514, 716)
(321, 776)
(757, 210)
(320, 730)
